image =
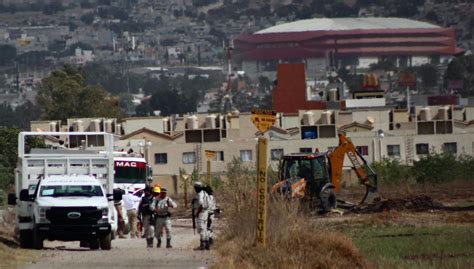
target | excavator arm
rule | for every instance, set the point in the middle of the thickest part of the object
(363, 171)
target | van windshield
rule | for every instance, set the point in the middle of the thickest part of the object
(74, 190)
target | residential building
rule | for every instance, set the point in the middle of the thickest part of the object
(180, 142)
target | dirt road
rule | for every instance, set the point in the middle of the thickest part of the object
(127, 253)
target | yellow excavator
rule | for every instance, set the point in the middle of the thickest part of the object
(316, 177)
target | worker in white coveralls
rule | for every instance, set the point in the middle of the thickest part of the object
(161, 206)
(201, 207)
(211, 212)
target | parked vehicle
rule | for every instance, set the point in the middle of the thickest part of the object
(65, 193)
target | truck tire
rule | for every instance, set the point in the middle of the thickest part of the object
(328, 200)
(106, 242)
(94, 244)
(37, 240)
(26, 238)
(84, 244)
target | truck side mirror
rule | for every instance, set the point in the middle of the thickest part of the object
(117, 195)
(24, 195)
(12, 199)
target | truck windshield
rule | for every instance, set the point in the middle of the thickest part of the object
(132, 175)
(75, 190)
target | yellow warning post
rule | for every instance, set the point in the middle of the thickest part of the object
(263, 120)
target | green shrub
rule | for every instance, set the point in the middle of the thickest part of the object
(437, 168)
(2, 197)
(466, 166)
(433, 168)
(392, 171)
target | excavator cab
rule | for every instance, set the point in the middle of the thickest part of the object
(302, 175)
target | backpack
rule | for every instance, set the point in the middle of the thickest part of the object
(205, 200)
(145, 206)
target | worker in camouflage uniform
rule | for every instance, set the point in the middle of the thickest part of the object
(161, 206)
(146, 215)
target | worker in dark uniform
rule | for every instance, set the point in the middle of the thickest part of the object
(146, 215)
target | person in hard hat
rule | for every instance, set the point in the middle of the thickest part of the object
(161, 205)
(145, 213)
(201, 205)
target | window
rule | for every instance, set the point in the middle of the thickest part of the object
(246, 155)
(422, 148)
(450, 148)
(189, 157)
(161, 158)
(219, 156)
(276, 154)
(71, 190)
(393, 150)
(363, 150)
(306, 150)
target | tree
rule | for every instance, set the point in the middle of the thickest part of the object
(19, 117)
(429, 75)
(9, 154)
(32, 57)
(7, 54)
(167, 101)
(64, 94)
(144, 109)
(432, 16)
(88, 18)
(7, 114)
(126, 104)
(462, 68)
(53, 8)
(85, 4)
(406, 9)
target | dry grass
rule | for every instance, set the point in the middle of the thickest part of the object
(294, 239)
(461, 217)
(11, 256)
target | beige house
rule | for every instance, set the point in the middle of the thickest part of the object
(382, 133)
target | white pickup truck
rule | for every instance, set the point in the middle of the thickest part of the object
(65, 193)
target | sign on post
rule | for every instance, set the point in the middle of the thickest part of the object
(185, 179)
(210, 154)
(263, 120)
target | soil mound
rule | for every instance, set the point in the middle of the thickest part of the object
(418, 202)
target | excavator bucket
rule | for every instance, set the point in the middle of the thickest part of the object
(371, 195)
